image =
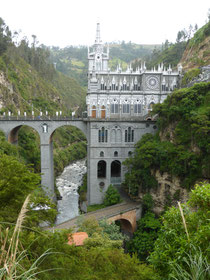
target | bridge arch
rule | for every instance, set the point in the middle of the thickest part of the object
(12, 135)
(125, 226)
(78, 124)
(127, 221)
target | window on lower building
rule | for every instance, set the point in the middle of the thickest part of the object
(137, 108)
(102, 135)
(114, 108)
(129, 135)
(126, 108)
(101, 170)
(115, 154)
(101, 154)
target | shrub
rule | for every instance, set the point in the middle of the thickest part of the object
(112, 196)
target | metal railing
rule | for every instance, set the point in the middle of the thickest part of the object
(115, 180)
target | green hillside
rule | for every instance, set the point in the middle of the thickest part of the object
(197, 51)
(26, 86)
(28, 80)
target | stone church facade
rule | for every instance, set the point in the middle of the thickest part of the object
(118, 104)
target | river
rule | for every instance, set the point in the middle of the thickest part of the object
(67, 184)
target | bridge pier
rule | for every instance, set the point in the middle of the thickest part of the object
(47, 170)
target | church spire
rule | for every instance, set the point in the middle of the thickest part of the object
(98, 37)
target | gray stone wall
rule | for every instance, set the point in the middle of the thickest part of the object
(98, 186)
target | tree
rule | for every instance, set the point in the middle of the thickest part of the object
(16, 182)
(5, 36)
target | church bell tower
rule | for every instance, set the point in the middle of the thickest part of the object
(97, 58)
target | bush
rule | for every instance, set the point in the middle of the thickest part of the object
(112, 196)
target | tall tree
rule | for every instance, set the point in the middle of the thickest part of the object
(5, 36)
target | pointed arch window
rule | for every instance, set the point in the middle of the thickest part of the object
(113, 86)
(129, 135)
(102, 135)
(101, 170)
(103, 112)
(114, 108)
(93, 113)
(124, 87)
(126, 108)
(137, 108)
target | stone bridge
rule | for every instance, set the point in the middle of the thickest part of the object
(45, 128)
(127, 213)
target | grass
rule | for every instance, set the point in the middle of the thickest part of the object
(13, 257)
(95, 207)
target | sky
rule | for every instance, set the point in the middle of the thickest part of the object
(73, 22)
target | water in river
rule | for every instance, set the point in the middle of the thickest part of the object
(68, 183)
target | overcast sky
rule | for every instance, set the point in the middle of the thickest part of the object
(73, 22)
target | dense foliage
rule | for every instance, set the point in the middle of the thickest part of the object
(173, 244)
(148, 226)
(181, 147)
(17, 181)
(78, 263)
(112, 196)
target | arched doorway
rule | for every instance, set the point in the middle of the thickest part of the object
(93, 112)
(151, 106)
(103, 112)
(116, 172)
(101, 169)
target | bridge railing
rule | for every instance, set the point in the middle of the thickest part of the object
(40, 118)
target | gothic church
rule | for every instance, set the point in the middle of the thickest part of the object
(118, 104)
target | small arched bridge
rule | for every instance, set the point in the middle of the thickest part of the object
(127, 213)
(45, 128)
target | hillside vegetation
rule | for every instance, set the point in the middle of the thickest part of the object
(197, 52)
(28, 78)
(180, 148)
(28, 81)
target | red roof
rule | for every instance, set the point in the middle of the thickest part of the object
(77, 238)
